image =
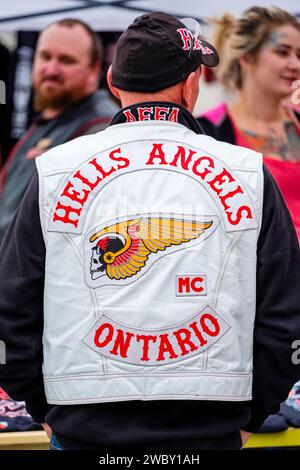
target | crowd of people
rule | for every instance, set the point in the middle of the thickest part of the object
(89, 278)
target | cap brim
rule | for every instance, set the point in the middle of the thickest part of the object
(210, 57)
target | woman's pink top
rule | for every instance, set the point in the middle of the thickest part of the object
(285, 173)
(287, 176)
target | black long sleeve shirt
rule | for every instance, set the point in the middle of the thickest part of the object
(277, 326)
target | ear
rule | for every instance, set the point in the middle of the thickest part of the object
(190, 90)
(114, 90)
(244, 62)
(93, 77)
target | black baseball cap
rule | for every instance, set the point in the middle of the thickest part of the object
(157, 51)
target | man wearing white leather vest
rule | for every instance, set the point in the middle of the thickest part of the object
(165, 320)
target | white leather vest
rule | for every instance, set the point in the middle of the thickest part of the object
(151, 233)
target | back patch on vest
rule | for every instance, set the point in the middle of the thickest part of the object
(158, 346)
(79, 189)
(121, 251)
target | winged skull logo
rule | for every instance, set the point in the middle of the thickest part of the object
(123, 248)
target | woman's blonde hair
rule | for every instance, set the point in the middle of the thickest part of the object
(234, 38)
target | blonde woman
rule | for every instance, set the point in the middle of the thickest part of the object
(260, 63)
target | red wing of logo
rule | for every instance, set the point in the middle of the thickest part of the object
(123, 249)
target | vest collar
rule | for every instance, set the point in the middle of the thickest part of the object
(158, 111)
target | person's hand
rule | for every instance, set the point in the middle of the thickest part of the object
(245, 436)
(47, 430)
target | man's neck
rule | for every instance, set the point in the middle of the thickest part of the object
(132, 98)
(50, 113)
